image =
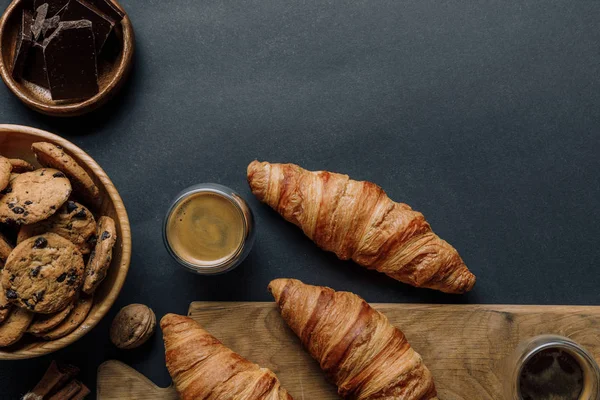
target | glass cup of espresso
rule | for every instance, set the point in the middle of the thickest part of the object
(552, 367)
(209, 229)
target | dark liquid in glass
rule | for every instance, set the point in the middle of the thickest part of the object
(551, 374)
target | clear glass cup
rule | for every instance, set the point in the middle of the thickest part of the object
(529, 348)
(246, 244)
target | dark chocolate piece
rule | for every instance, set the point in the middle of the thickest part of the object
(49, 26)
(38, 23)
(54, 6)
(102, 24)
(108, 8)
(24, 42)
(35, 66)
(71, 61)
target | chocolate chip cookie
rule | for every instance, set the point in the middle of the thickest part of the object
(45, 322)
(5, 250)
(5, 169)
(72, 221)
(15, 326)
(19, 166)
(43, 274)
(74, 320)
(5, 305)
(101, 256)
(34, 196)
(54, 156)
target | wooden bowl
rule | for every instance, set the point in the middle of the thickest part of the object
(15, 141)
(112, 75)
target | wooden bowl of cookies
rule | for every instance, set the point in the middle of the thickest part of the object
(111, 67)
(65, 243)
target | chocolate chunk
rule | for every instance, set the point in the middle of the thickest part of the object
(105, 235)
(62, 277)
(59, 175)
(39, 296)
(35, 66)
(102, 24)
(71, 206)
(24, 42)
(80, 215)
(11, 294)
(50, 26)
(28, 202)
(72, 279)
(54, 6)
(108, 8)
(71, 61)
(40, 16)
(18, 210)
(40, 243)
(36, 271)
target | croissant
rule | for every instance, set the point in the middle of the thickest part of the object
(356, 346)
(357, 220)
(204, 369)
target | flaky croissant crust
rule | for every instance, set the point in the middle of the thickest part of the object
(203, 368)
(357, 220)
(359, 350)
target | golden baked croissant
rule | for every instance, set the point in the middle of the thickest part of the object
(357, 220)
(360, 351)
(204, 369)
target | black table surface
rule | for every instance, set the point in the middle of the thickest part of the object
(484, 115)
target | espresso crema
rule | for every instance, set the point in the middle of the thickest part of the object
(205, 229)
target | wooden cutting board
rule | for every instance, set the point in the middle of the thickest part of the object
(465, 346)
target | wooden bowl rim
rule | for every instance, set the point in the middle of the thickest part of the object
(43, 348)
(77, 108)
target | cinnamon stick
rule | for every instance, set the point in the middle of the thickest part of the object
(68, 391)
(83, 392)
(54, 379)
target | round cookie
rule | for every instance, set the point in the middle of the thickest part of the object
(19, 166)
(76, 317)
(34, 196)
(72, 221)
(43, 273)
(5, 250)
(101, 256)
(12, 330)
(53, 156)
(45, 322)
(5, 305)
(5, 170)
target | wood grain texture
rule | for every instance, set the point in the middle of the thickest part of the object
(117, 381)
(15, 142)
(465, 346)
(111, 75)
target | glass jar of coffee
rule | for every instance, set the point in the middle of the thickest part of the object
(209, 229)
(551, 367)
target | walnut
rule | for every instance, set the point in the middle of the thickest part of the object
(132, 326)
